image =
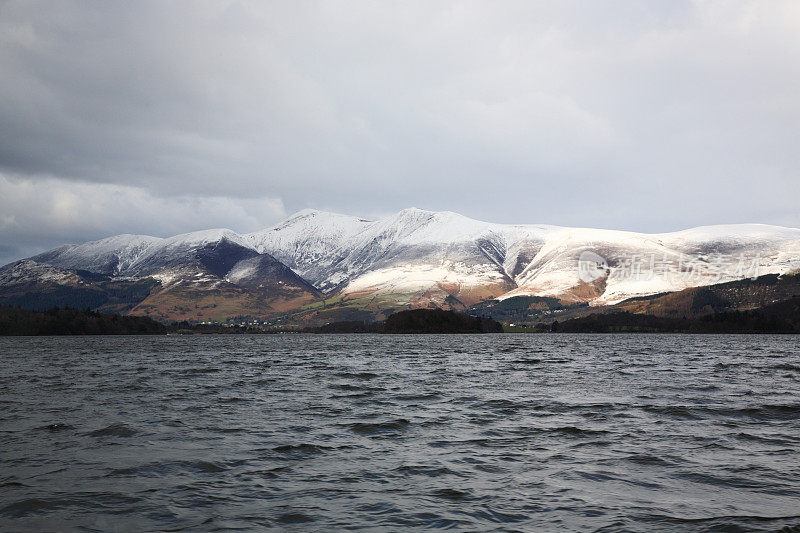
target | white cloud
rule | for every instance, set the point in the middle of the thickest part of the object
(41, 213)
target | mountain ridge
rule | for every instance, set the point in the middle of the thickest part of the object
(416, 258)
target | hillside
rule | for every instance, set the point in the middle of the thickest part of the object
(695, 302)
(317, 267)
(779, 317)
(741, 295)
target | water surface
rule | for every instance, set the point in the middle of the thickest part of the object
(483, 432)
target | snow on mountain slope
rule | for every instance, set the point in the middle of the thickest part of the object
(419, 253)
(554, 270)
(209, 274)
(27, 271)
(421, 257)
(136, 255)
(424, 257)
(106, 256)
(641, 264)
(309, 242)
(418, 257)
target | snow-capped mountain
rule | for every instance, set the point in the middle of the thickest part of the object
(414, 258)
(310, 242)
(417, 256)
(208, 274)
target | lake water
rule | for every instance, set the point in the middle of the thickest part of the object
(317, 432)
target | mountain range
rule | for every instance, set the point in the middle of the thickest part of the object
(318, 266)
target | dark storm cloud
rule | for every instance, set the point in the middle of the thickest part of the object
(167, 117)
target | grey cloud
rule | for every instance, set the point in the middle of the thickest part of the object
(41, 214)
(646, 116)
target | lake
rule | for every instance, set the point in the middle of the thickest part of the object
(326, 432)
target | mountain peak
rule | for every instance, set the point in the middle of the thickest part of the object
(305, 213)
(205, 236)
(315, 213)
(415, 211)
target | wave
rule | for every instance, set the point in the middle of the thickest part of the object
(58, 426)
(376, 428)
(114, 430)
(303, 448)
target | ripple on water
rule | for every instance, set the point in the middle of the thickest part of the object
(113, 430)
(315, 432)
(380, 428)
(426, 470)
(57, 427)
(294, 518)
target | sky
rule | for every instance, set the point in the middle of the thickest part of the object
(167, 117)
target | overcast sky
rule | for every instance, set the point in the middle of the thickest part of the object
(167, 117)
